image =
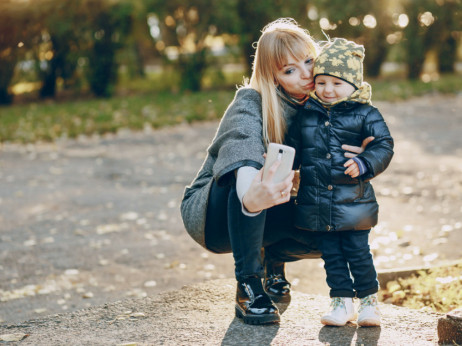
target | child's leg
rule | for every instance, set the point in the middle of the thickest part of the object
(335, 264)
(356, 249)
(338, 278)
(355, 246)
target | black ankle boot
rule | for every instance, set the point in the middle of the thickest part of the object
(276, 284)
(252, 303)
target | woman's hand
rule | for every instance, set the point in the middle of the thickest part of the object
(264, 194)
(356, 150)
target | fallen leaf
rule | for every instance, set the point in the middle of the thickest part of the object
(129, 216)
(30, 242)
(162, 216)
(110, 228)
(137, 314)
(71, 272)
(151, 283)
(87, 295)
(137, 293)
(431, 257)
(209, 266)
(13, 337)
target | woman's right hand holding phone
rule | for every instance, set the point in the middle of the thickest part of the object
(264, 193)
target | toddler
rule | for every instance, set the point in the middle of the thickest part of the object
(335, 199)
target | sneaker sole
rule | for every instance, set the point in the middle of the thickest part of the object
(369, 323)
(263, 319)
(328, 322)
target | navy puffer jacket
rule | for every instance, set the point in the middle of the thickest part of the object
(328, 199)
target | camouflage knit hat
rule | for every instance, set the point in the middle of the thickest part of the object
(342, 59)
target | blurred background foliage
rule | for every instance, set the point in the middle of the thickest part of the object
(80, 49)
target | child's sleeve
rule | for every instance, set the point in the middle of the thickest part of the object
(378, 154)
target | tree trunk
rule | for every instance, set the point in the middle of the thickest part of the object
(48, 88)
(447, 55)
(6, 74)
(192, 67)
(376, 53)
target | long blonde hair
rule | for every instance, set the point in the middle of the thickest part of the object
(279, 40)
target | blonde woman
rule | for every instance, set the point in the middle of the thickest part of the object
(229, 207)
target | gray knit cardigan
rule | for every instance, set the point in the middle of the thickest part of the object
(238, 142)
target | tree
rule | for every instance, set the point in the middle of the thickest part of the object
(417, 39)
(107, 25)
(445, 31)
(139, 45)
(14, 26)
(60, 38)
(365, 22)
(184, 27)
(254, 15)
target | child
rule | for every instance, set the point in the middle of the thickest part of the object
(335, 198)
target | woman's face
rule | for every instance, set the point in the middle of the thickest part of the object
(296, 76)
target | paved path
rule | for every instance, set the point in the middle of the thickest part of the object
(203, 314)
(94, 220)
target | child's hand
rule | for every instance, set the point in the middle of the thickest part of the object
(353, 169)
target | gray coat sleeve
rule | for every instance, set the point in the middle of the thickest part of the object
(238, 142)
(239, 139)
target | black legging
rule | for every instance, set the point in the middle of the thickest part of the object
(228, 229)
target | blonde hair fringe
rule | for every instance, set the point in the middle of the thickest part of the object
(279, 39)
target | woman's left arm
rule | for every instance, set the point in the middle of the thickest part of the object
(352, 151)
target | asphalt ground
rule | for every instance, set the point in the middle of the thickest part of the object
(95, 220)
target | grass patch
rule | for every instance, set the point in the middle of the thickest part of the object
(393, 89)
(49, 121)
(147, 103)
(437, 289)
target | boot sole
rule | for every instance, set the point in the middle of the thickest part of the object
(279, 298)
(263, 319)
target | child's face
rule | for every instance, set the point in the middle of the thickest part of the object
(330, 89)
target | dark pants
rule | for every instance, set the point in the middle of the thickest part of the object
(228, 229)
(344, 253)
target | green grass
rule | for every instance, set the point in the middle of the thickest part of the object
(392, 89)
(49, 121)
(145, 103)
(437, 290)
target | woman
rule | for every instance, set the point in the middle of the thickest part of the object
(228, 207)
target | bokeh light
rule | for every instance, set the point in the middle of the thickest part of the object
(370, 21)
(354, 21)
(426, 18)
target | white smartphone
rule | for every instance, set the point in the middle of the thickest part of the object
(283, 153)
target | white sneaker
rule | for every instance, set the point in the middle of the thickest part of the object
(342, 311)
(369, 313)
